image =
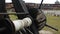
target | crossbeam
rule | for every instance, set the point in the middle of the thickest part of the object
(13, 13)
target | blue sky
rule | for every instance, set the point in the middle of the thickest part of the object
(37, 1)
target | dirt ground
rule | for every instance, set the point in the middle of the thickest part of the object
(45, 32)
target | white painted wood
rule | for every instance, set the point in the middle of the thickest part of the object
(20, 24)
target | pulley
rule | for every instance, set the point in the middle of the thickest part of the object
(11, 27)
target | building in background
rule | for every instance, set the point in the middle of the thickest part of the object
(57, 2)
(55, 6)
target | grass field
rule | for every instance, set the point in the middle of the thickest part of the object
(53, 21)
(13, 17)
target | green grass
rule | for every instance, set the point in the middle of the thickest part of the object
(13, 17)
(53, 21)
